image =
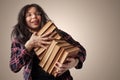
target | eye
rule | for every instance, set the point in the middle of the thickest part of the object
(37, 13)
(28, 15)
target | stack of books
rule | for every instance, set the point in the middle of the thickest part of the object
(57, 51)
(48, 27)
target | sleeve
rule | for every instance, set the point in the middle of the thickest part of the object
(81, 54)
(19, 56)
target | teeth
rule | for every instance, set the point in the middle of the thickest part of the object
(35, 22)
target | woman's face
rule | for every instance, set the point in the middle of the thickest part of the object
(33, 18)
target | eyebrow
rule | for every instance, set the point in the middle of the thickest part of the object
(35, 12)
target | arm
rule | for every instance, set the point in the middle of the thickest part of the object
(82, 53)
(22, 54)
(19, 56)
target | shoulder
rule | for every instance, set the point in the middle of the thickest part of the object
(63, 34)
(16, 43)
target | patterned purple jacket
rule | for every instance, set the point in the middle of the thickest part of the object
(20, 57)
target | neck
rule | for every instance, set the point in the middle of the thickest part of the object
(33, 30)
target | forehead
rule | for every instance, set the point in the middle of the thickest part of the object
(31, 10)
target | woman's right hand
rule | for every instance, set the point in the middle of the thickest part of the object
(38, 41)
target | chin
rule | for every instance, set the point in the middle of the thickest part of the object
(35, 28)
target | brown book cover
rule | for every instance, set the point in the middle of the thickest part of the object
(49, 27)
(47, 59)
(45, 27)
(70, 52)
(40, 50)
(54, 53)
(48, 53)
(42, 55)
(55, 35)
(50, 69)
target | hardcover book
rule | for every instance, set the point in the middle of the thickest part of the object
(48, 27)
(57, 51)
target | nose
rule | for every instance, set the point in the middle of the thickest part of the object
(33, 16)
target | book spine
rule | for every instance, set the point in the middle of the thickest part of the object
(44, 28)
(47, 54)
(55, 50)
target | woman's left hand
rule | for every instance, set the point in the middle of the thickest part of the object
(69, 63)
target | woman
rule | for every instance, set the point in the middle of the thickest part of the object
(31, 18)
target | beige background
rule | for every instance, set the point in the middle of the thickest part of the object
(94, 23)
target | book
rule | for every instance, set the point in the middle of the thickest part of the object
(44, 28)
(58, 50)
(48, 27)
(55, 35)
(42, 55)
(70, 52)
(48, 53)
(50, 69)
(54, 53)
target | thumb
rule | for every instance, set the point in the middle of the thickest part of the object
(69, 59)
(34, 33)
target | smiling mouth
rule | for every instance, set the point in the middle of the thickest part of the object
(36, 22)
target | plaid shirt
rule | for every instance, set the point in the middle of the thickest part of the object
(20, 57)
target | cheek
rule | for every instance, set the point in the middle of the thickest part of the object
(27, 21)
(39, 18)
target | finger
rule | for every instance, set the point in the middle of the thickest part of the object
(69, 59)
(60, 70)
(38, 45)
(45, 42)
(47, 38)
(61, 66)
(46, 34)
(34, 33)
(58, 64)
(43, 46)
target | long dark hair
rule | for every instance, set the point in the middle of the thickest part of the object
(20, 30)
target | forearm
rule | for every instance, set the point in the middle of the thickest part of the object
(81, 54)
(19, 56)
(28, 45)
